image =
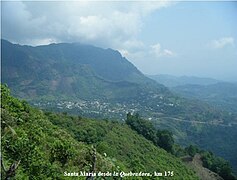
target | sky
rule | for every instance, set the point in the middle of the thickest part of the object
(159, 37)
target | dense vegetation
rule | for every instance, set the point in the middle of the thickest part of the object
(218, 138)
(164, 139)
(52, 72)
(117, 140)
(42, 150)
(212, 162)
(221, 95)
(100, 83)
(34, 148)
(161, 138)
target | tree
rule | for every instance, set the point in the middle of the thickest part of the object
(161, 138)
(165, 140)
(192, 150)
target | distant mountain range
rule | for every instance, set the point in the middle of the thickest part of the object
(172, 81)
(95, 82)
(73, 71)
(220, 94)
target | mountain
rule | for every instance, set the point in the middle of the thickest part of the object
(172, 81)
(221, 95)
(74, 76)
(217, 93)
(100, 83)
(32, 147)
(69, 71)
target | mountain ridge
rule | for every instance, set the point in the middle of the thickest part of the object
(221, 95)
(69, 79)
(70, 60)
(173, 81)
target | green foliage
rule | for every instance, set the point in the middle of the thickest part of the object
(178, 151)
(74, 71)
(192, 150)
(161, 138)
(16, 108)
(218, 138)
(218, 165)
(46, 151)
(43, 150)
(61, 151)
(166, 140)
(142, 127)
(221, 95)
(123, 146)
(212, 162)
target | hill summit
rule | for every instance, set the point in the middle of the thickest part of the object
(70, 70)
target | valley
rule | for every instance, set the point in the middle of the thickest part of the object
(92, 82)
(127, 90)
(108, 110)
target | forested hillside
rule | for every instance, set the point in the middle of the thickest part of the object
(34, 148)
(99, 83)
(221, 95)
(68, 71)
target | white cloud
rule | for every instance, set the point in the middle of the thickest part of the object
(138, 51)
(133, 45)
(222, 42)
(168, 52)
(106, 24)
(158, 51)
(37, 42)
(124, 52)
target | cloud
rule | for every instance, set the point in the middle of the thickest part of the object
(140, 52)
(106, 24)
(222, 42)
(133, 45)
(18, 23)
(158, 51)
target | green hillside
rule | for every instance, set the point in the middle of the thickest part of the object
(100, 83)
(59, 76)
(42, 150)
(71, 71)
(37, 149)
(220, 139)
(119, 141)
(221, 95)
